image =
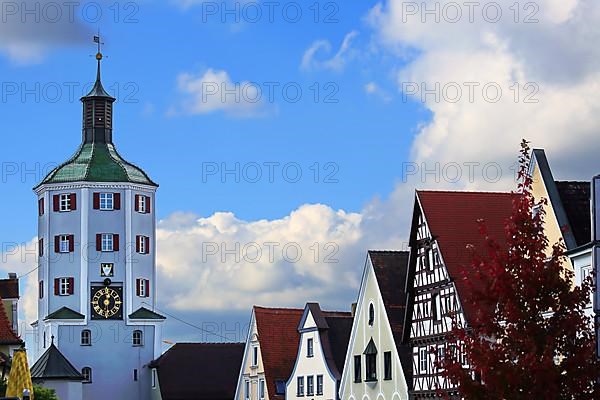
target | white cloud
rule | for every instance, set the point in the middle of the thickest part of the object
(558, 55)
(373, 89)
(214, 91)
(335, 63)
(31, 28)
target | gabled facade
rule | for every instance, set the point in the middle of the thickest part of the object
(197, 371)
(324, 338)
(444, 235)
(9, 292)
(568, 217)
(269, 354)
(372, 366)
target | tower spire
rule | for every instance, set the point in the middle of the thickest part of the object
(97, 107)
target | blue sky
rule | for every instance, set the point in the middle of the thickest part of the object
(158, 55)
(361, 140)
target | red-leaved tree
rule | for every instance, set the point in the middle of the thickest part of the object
(529, 337)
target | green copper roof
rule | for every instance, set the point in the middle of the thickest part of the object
(64, 313)
(144, 313)
(97, 162)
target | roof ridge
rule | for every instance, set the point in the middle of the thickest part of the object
(465, 192)
(278, 308)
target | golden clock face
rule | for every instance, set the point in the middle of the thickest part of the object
(106, 303)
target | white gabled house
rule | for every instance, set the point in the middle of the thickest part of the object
(324, 337)
(377, 364)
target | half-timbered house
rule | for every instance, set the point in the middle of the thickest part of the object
(444, 235)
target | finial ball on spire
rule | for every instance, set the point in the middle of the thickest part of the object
(98, 56)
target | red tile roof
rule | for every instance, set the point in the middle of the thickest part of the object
(452, 219)
(279, 339)
(7, 335)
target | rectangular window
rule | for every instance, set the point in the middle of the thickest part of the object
(300, 386)
(135, 375)
(310, 348)
(435, 312)
(143, 287)
(41, 207)
(154, 379)
(319, 385)
(41, 247)
(423, 360)
(41, 289)
(247, 390)
(440, 356)
(107, 242)
(64, 244)
(107, 201)
(371, 367)
(64, 288)
(86, 337)
(387, 365)
(138, 338)
(261, 389)
(142, 245)
(67, 202)
(255, 356)
(142, 204)
(357, 371)
(310, 385)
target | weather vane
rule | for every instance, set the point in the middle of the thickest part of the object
(100, 43)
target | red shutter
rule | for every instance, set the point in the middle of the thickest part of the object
(56, 202)
(99, 242)
(138, 241)
(137, 202)
(115, 242)
(96, 201)
(41, 247)
(117, 201)
(147, 239)
(137, 287)
(41, 206)
(56, 286)
(148, 206)
(71, 285)
(57, 244)
(71, 243)
(147, 283)
(73, 198)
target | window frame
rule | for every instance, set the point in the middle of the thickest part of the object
(357, 369)
(64, 244)
(142, 287)
(142, 206)
(254, 356)
(107, 201)
(64, 287)
(423, 359)
(104, 240)
(64, 202)
(137, 338)
(387, 366)
(153, 378)
(370, 367)
(310, 385)
(261, 389)
(371, 314)
(300, 386)
(310, 348)
(247, 389)
(319, 385)
(86, 338)
(86, 372)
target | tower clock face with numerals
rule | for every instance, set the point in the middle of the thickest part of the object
(107, 302)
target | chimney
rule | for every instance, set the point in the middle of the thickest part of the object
(353, 309)
(12, 275)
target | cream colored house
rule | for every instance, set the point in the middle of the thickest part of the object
(373, 368)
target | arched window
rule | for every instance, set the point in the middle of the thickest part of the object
(86, 337)
(371, 314)
(87, 374)
(138, 338)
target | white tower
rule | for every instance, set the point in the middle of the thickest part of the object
(97, 275)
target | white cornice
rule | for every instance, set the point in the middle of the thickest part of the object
(95, 185)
